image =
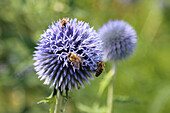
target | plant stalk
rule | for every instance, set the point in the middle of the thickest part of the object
(110, 100)
(58, 104)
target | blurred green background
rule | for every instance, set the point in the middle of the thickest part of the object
(142, 83)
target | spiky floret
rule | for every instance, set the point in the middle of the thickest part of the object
(51, 54)
(119, 40)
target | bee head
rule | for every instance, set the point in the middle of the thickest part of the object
(69, 55)
(101, 64)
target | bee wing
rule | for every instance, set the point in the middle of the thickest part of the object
(104, 69)
(76, 65)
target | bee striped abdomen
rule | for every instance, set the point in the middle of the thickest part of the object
(98, 72)
(100, 68)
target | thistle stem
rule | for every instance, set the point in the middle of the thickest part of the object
(58, 104)
(110, 96)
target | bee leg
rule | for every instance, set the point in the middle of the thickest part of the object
(62, 27)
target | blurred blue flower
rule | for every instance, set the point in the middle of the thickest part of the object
(127, 2)
(67, 53)
(119, 40)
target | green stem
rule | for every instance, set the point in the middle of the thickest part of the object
(58, 103)
(110, 89)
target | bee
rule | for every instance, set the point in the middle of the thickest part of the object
(76, 60)
(63, 23)
(100, 68)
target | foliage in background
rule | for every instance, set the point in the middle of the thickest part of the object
(142, 83)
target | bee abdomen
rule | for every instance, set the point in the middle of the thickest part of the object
(98, 72)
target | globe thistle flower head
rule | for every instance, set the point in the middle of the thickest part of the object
(119, 40)
(67, 53)
(127, 2)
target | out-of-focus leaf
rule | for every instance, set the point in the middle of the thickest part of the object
(95, 108)
(162, 97)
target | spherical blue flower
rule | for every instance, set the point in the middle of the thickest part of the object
(67, 53)
(127, 2)
(119, 40)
